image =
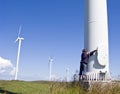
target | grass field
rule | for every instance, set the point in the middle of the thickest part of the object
(42, 87)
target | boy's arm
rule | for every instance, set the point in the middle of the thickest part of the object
(91, 53)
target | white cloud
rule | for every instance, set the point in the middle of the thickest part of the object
(6, 66)
(12, 73)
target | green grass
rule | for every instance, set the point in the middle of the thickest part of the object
(41, 87)
(22, 87)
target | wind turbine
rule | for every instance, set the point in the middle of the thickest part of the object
(50, 67)
(19, 39)
(67, 74)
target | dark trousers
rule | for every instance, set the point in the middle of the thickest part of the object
(82, 68)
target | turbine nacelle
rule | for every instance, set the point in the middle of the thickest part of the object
(50, 59)
(19, 38)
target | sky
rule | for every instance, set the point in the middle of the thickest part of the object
(50, 28)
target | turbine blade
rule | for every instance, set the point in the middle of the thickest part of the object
(19, 31)
(16, 40)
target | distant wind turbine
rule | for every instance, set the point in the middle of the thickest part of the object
(19, 39)
(50, 66)
(67, 74)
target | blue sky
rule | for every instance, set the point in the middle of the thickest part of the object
(51, 28)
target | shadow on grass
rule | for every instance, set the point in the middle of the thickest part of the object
(6, 92)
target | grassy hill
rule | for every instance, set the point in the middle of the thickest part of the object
(43, 87)
(23, 87)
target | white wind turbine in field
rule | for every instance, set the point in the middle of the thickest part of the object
(50, 67)
(19, 39)
(67, 74)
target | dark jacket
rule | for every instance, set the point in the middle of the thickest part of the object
(85, 56)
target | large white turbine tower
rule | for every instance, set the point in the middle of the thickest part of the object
(96, 35)
(50, 68)
(19, 39)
